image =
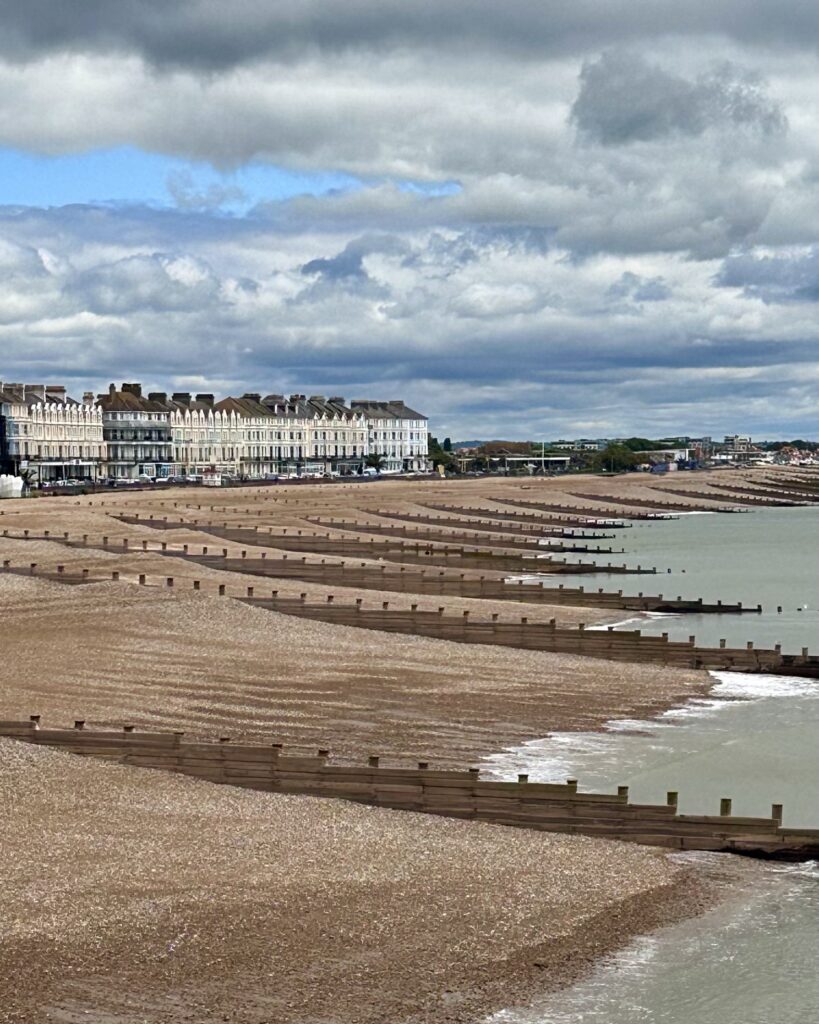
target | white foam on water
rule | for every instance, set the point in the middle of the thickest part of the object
(552, 758)
(640, 617)
(762, 687)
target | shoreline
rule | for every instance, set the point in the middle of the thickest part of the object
(741, 687)
(704, 885)
(373, 916)
(717, 883)
(413, 918)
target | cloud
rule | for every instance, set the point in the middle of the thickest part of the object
(623, 98)
(478, 328)
(552, 215)
(773, 277)
(640, 289)
(158, 282)
(187, 196)
(204, 36)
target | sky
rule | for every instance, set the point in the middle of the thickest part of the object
(526, 219)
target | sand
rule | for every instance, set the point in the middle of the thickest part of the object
(133, 896)
(115, 652)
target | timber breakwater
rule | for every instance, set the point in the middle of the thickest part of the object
(468, 628)
(552, 762)
(546, 807)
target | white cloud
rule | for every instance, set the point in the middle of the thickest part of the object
(628, 239)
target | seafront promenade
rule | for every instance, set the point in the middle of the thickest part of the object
(338, 620)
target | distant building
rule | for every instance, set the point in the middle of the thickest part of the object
(736, 449)
(127, 435)
(137, 432)
(205, 440)
(335, 433)
(737, 443)
(582, 444)
(398, 433)
(669, 455)
(49, 435)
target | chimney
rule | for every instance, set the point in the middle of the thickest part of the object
(396, 401)
(133, 389)
(336, 400)
(37, 390)
(316, 398)
(158, 396)
(56, 392)
(182, 397)
(88, 398)
(205, 399)
(252, 396)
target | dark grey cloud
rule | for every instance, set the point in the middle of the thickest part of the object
(778, 277)
(205, 35)
(624, 98)
(639, 289)
(345, 265)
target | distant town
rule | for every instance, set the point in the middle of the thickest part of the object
(621, 454)
(50, 439)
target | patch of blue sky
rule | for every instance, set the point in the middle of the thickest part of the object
(126, 175)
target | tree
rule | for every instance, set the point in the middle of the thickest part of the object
(500, 448)
(439, 456)
(447, 444)
(615, 458)
(641, 444)
(375, 461)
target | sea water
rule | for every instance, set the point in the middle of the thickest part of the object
(755, 738)
(769, 556)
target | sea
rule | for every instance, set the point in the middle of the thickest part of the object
(752, 959)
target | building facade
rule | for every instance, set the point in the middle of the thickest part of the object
(49, 436)
(335, 434)
(137, 431)
(205, 439)
(126, 435)
(398, 434)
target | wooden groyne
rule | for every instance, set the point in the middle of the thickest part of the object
(608, 644)
(473, 537)
(393, 550)
(496, 526)
(772, 495)
(398, 579)
(733, 495)
(587, 513)
(545, 807)
(670, 507)
(532, 516)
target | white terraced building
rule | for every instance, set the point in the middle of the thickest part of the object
(50, 436)
(127, 435)
(205, 439)
(397, 433)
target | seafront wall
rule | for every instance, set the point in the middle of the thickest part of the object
(545, 807)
